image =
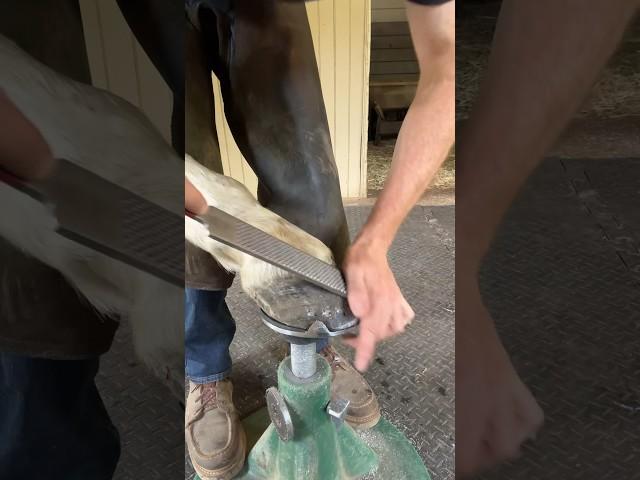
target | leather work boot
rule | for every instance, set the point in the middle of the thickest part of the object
(349, 384)
(213, 432)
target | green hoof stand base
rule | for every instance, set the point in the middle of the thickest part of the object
(397, 458)
(318, 449)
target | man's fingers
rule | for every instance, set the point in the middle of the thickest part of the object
(504, 435)
(402, 317)
(350, 341)
(484, 458)
(529, 412)
(357, 294)
(365, 346)
(397, 324)
(408, 312)
(193, 199)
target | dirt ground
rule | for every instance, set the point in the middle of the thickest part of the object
(379, 161)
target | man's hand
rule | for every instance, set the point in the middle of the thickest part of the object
(23, 150)
(423, 142)
(495, 412)
(374, 297)
(538, 76)
(194, 202)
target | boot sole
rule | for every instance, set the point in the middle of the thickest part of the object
(364, 423)
(229, 471)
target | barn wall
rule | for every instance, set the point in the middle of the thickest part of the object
(118, 63)
(341, 37)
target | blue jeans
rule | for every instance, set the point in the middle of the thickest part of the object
(53, 423)
(208, 333)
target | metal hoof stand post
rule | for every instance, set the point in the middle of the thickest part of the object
(301, 434)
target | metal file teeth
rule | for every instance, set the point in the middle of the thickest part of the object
(284, 255)
(101, 215)
(155, 236)
(240, 235)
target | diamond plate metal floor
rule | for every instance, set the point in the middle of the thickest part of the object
(148, 417)
(413, 375)
(563, 284)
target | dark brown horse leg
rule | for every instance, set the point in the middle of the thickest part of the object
(263, 55)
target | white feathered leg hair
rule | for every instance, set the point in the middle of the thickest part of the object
(104, 134)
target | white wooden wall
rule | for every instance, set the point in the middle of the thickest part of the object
(388, 11)
(341, 37)
(118, 63)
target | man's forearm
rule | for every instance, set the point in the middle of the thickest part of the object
(423, 143)
(428, 129)
(538, 74)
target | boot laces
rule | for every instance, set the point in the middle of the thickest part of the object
(334, 359)
(207, 398)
